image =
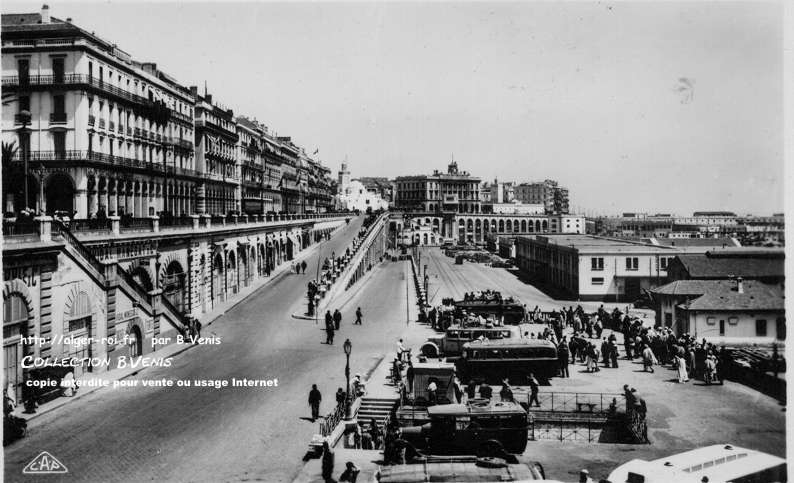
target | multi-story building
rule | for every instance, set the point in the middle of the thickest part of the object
(453, 192)
(216, 157)
(548, 193)
(593, 268)
(272, 176)
(291, 198)
(102, 133)
(250, 152)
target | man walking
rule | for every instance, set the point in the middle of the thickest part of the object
(337, 319)
(303, 266)
(358, 316)
(314, 401)
(329, 332)
(533, 390)
(562, 357)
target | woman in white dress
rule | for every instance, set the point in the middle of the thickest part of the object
(681, 364)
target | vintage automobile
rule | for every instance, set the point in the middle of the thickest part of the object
(481, 427)
(507, 310)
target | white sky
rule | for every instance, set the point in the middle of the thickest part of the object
(584, 93)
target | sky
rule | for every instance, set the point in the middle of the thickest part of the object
(644, 106)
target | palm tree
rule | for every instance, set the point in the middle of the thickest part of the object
(9, 151)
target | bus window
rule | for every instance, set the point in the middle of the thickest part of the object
(465, 334)
(453, 334)
(494, 354)
(476, 334)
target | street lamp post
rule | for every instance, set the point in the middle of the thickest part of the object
(348, 347)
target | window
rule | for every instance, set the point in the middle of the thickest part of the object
(760, 328)
(59, 142)
(24, 103)
(663, 263)
(23, 68)
(57, 70)
(632, 263)
(597, 281)
(597, 264)
(58, 104)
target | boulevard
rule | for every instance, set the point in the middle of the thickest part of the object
(230, 433)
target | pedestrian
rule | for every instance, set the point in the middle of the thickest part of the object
(328, 463)
(292, 267)
(329, 319)
(303, 266)
(409, 374)
(533, 390)
(197, 326)
(314, 402)
(506, 394)
(613, 353)
(648, 359)
(340, 397)
(431, 393)
(584, 477)
(358, 316)
(329, 333)
(486, 391)
(337, 319)
(680, 364)
(351, 472)
(458, 390)
(400, 350)
(562, 358)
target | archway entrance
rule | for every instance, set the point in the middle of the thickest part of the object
(136, 341)
(59, 193)
(174, 285)
(217, 280)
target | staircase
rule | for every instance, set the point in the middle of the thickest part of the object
(377, 408)
(82, 253)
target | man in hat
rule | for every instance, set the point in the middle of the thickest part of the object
(314, 401)
(584, 477)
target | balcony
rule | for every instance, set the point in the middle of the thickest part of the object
(101, 124)
(137, 132)
(129, 131)
(19, 118)
(83, 81)
(111, 126)
(91, 120)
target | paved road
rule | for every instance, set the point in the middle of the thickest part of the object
(227, 434)
(450, 280)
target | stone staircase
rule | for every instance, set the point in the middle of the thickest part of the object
(377, 408)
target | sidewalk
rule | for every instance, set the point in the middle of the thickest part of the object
(172, 349)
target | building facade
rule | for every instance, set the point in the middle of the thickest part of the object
(452, 192)
(102, 134)
(548, 193)
(89, 132)
(593, 268)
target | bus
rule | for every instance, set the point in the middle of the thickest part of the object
(493, 361)
(481, 427)
(718, 463)
(509, 311)
(456, 336)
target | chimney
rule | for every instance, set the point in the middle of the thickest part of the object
(739, 285)
(208, 97)
(68, 19)
(194, 91)
(45, 13)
